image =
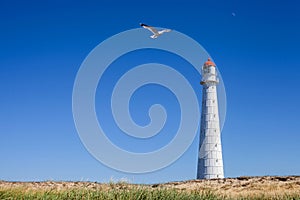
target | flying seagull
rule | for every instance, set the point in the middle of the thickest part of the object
(155, 32)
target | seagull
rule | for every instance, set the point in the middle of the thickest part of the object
(155, 32)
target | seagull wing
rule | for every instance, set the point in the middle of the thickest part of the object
(150, 28)
(164, 31)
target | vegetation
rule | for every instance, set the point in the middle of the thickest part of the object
(125, 194)
(132, 194)
(242, 188)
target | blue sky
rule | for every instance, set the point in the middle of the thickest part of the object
(42, 45)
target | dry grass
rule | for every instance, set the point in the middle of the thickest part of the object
(267, 186)
(230, 188)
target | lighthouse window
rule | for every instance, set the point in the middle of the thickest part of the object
(215, 130)
(217, 160)
(213, 101)
(216, 145)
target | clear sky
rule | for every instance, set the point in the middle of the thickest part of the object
(43, 43)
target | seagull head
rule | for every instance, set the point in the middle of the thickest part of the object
(142, 24)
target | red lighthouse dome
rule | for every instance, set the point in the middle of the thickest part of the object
(209, 63)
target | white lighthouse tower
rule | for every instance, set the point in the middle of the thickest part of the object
(210, 161)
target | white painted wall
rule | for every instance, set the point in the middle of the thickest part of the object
(210, 161)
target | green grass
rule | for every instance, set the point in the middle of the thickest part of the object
(139, 193)
(118, 194)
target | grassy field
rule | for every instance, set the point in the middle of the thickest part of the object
(134, 194)
(237, 188)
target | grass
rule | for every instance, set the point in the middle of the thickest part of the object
(124, 194)
(126, 191)
(117, 194)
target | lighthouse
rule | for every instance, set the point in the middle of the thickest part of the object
(210, 161)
